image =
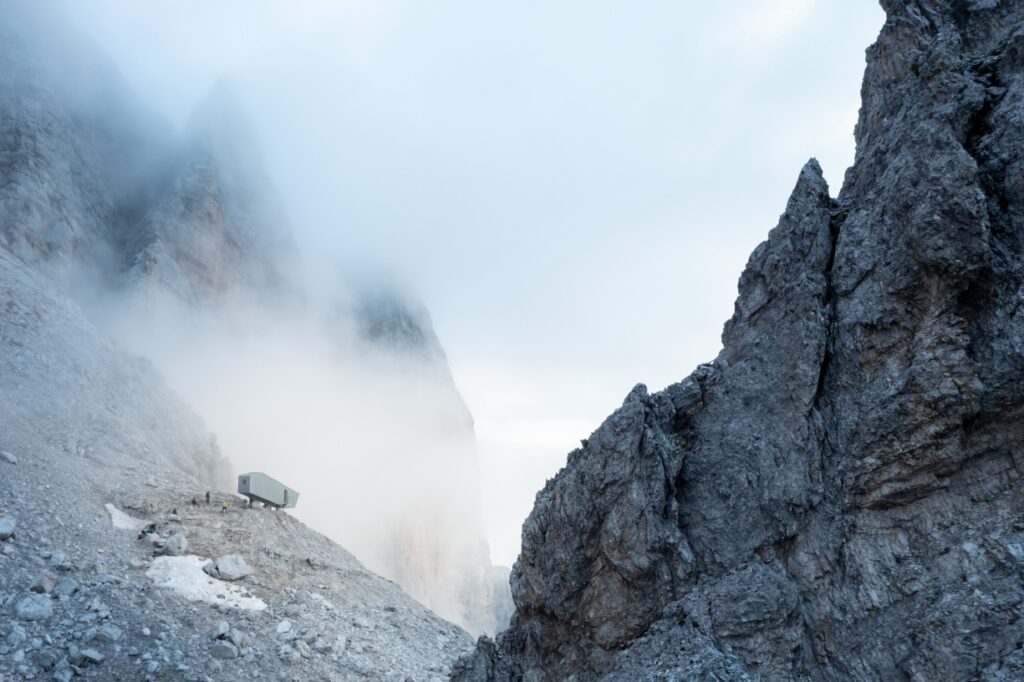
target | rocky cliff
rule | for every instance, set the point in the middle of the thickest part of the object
(838, 495)
(436, 550)
(80, 157)
(218, 227)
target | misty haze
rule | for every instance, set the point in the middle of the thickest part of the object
(384, 340)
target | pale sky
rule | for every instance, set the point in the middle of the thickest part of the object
(572, 187)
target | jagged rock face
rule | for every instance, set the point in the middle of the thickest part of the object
(53, 198)
(93, 185)
(838, 495)
(219, 226)
(76, 149)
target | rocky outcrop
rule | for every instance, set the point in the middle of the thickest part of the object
(219, 226)
(837, 495)
(96, 189)
(79, 154)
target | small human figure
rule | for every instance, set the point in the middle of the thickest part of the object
(148, 530)
(195, 502)
(224, 506)
(207, 498)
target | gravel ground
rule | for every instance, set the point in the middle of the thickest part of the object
(85, 426)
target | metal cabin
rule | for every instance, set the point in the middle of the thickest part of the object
(262, 488)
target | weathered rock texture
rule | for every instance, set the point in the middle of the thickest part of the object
(837, 495)
(218, 226)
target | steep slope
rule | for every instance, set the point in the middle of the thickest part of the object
(85, 426)
(837, 495)
(66, 388)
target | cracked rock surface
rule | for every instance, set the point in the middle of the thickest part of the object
(838, 495)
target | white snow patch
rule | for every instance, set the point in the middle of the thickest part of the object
(184, 575)
(122, 520)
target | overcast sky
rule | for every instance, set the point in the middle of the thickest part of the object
(572, 187)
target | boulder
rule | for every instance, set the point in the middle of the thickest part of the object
(8, 457)
(175, 545)
(220, 630)
(109, 633)
(45, 583)
(91, 656)
(289, 655)
(59, 561)
(239, 638)
(34, 607)
(230, 567)
(7, 526)
(47, 658)
(65, 587)
(223, 649)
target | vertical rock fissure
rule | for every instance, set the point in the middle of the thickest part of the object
(829, 302)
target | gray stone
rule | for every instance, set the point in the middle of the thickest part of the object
(175, 545)
(239, 638)
(109, 633)
(288, 654)
(46, 658)
(231, 567)
(15, 637)
(45, 583)
(8, 457)
(65, 587)
(7, 527)
(223, 649)
(59, 560)
(220, 630)
(34, 607)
